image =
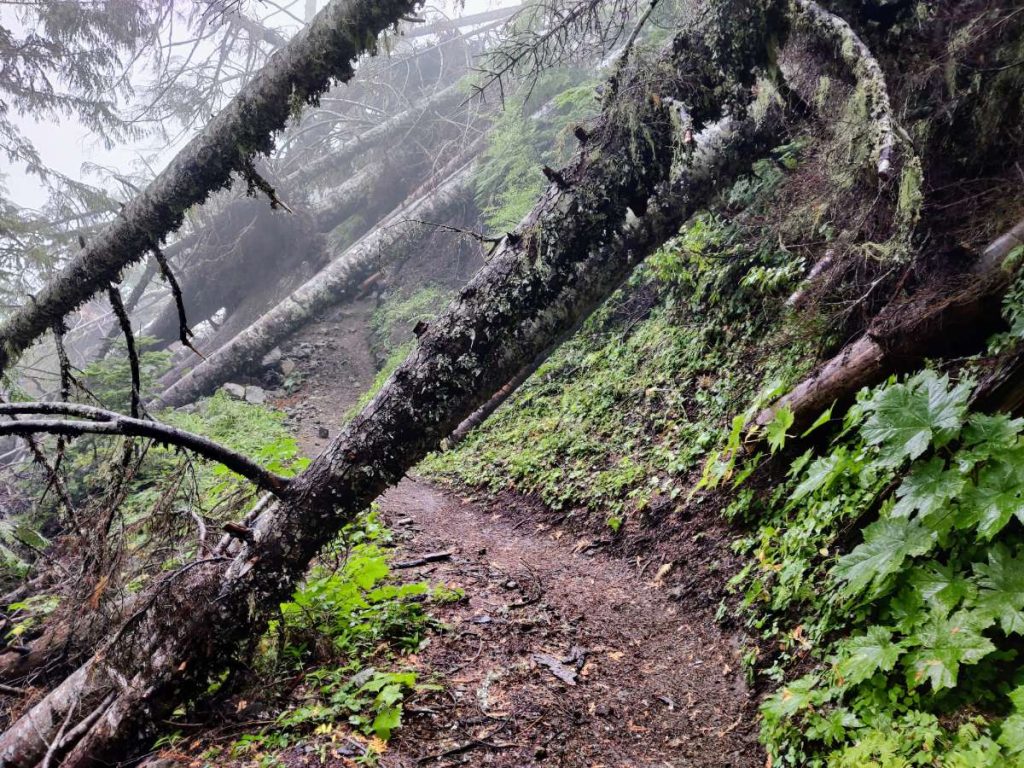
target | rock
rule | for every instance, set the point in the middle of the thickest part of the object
(255, 395)
(272, 358)
(287, 366)
(188, 408)
(234, 391)
(323, 433)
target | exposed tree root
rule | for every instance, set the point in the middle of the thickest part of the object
(864, 66)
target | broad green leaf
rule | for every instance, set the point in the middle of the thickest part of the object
(996, 497)
(821, 472)
(941, 586)
(907, 418)
(367, 571)
(860, 657)
(776, 430)
(945, 646)
(824, 418)
(887, 544)
(927, 489)
(1011, 734)
(387, 720)
(833, 727)
(791, 698)
(987, 435)
(1016, 697)
(1001, 589)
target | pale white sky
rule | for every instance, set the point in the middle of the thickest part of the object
(65, 146)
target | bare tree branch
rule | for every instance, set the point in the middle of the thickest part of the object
(133, 354)
(103, 422)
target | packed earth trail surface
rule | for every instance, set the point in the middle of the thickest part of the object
(560, 654)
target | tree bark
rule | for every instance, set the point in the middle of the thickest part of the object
(297, 74)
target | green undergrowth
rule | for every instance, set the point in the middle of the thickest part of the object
(392, 334)
(347, 633)
(889, 568)
(622, 415)
(153, 497)
(884, 577)
(533, 130)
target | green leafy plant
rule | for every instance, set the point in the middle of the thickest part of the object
(921, 619)
(339, 629)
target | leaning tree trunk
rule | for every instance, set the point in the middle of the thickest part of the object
(252, 260)
(297, 74)
(395, 235)
(568, 255)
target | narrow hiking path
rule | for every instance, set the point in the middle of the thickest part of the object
(560, 654)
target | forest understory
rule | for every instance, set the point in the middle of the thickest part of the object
(643, 673)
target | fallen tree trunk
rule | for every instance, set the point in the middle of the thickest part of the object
(340, 278)
(297, 74)
(573, 250)
(932, 323)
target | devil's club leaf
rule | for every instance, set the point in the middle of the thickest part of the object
(944, 646)
(887, 543)
(1001, 589)
(941, 586)
(860, 657)
(927, 490)
(997, 496)
(906, 418)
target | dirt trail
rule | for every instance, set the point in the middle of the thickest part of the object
(643, 681)
(559, 654)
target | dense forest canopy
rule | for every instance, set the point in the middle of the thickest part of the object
(570, 383)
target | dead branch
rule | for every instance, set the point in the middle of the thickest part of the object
(184, 332)
(133, 354)
(103, 422)
(431, 557)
